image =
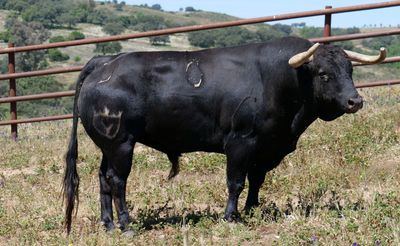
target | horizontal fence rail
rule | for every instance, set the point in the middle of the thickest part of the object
(327, 12)
(347, 37)
(41, 72)
(37, 96)
(39, 119)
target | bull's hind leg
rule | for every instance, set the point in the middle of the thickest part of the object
(120, 163)
(105, 195)
(174, 159)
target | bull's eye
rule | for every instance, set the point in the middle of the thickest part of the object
(323, 76)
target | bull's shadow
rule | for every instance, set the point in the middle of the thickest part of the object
(156, 217)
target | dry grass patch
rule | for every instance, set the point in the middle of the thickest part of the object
(339, 187)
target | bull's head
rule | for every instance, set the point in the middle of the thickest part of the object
(332, 84)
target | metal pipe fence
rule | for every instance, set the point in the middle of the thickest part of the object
(327, 12)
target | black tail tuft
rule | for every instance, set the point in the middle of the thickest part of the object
(71, 178)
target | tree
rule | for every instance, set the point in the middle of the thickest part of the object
(17, 5)
(57, 55)
(311, 32)
(190, 9)
(108, 48)
(267, 32)
(68, 19)
(119, 7)
(36, 85)
(156, 7)
(149, 22)
(56, 39)
(24, 33)
(286, 29)
(223, 37)
(202, 39)
(47, 12)
(114, 28)
(5, 36)
(75, 35)
(98, 17)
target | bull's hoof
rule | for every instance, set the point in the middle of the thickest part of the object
(249, 209)
(233, 217)
(109, 226)
(128, 233)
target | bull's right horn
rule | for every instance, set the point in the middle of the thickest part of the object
(365, 59)
(301, 58)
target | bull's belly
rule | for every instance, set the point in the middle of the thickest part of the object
(180, 140)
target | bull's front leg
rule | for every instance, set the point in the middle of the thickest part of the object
(256, 176)
(239, 152)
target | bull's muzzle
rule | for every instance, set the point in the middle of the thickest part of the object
(354, 104)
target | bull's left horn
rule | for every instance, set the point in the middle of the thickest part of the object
(301, 58)
(365, 59)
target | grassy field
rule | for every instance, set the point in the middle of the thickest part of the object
(338, 188)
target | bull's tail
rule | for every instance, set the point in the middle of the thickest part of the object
(71, 178)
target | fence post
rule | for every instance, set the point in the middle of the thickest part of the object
(327, 26)
(12, 93)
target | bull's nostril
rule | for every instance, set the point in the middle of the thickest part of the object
(354, 104)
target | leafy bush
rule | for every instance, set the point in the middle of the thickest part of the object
(190, 9)
(23, 33)
(75, 35)
(57, 55)
(5, 36)
(232, 36)
(108, 48)
(56, 39)
(98, 17)
(113, 28)
(311, 32)
(37, 85)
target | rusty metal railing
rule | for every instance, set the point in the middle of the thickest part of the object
(327, 12)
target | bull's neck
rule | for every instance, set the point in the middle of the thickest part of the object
(303, 118)
(306, 113)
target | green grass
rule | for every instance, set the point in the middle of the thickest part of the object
(339, 187)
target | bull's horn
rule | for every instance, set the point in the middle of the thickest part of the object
(365, 59)
(301, 58)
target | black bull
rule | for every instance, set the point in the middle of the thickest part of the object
(246, 102)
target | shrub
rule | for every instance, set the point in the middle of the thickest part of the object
(114, 28)
(36, 85)
(56, 39)
(57, 55)
(5, 36)
(75, 35)
(108, 48)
